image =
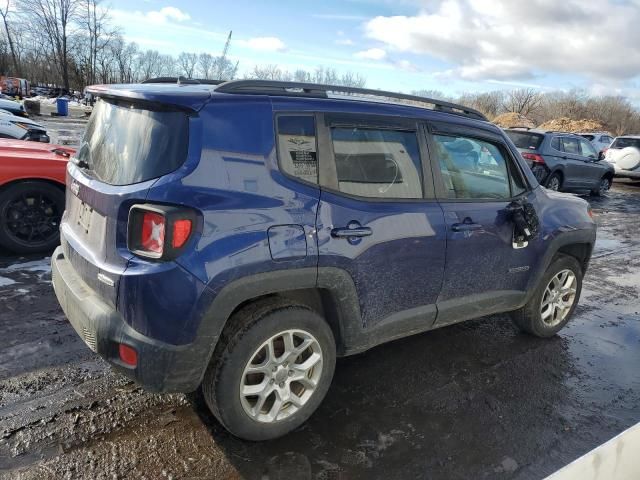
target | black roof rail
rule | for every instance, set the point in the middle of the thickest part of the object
(183, 80)
(314, 90)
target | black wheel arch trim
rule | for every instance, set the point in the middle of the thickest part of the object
(337, 281)
(564, 239)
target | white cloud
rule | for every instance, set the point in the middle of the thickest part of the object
(504, 39)
(344, 41)
(267, 44)
(165, 14)
(371, 54)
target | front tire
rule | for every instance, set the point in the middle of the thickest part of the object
(30, 214)
(603, 187)
(271, 369)
(554, 301)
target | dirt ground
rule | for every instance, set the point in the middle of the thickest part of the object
(476, 400)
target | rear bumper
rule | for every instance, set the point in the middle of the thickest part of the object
(161, 367)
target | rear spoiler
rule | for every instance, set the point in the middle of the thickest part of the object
(155, 96)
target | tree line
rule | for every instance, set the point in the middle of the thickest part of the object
(73, 43)
(615, 112)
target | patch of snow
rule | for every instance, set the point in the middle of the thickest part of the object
(4, 281)
(43, 265)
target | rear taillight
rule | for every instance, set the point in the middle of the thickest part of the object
(534, 157)
(181, 232)
(159, 231)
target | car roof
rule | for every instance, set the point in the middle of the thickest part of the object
(192, 95)
(635, 137)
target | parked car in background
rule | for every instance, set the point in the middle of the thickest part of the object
(266, 227)
(21, 128)
(599, 140)
(563, 161)
(624, 155)
(32, 178)
(11, 106)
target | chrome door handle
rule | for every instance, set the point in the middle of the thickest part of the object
(466, 227)
(351, 232)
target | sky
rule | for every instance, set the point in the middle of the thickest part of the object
(453, 46)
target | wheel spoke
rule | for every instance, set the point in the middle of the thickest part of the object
(289, 348)
(253, 390)
(257, 408)
(273, 412)
(309, 363)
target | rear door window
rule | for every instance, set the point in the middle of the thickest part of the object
(377, 163)
(297, 146)
(125, 144)
(570, 145)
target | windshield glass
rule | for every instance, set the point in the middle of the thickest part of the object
(528, 140)
(626, 142)
(125, 144)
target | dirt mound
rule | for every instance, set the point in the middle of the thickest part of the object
(565, 124)
(513, 120)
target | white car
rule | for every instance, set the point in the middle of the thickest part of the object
(624, 155)
(599, 140)
(21, 128)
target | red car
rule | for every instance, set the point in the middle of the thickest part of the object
(32, 178)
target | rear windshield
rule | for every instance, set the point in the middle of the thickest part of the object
(125, 144)
(626, 142)
(527, 140)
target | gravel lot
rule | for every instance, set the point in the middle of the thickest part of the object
(476, 400)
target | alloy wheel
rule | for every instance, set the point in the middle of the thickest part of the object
(558, 297)
(32, 218)
(281, 376)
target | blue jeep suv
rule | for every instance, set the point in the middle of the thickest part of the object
(238, 238)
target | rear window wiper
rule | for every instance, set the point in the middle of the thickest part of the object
(80, 163)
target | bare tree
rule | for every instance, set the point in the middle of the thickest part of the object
(524, 101)
(489, 103)
(5, 14)
(54, 19)
(269, 72)
(205, 65)
(95, 29)
(187, 63)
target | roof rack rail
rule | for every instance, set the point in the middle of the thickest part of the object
(183, 80)
(314, 90)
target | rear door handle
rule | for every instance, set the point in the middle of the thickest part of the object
(351, 232)
(466, 227)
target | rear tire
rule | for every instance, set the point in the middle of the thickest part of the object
(554, 182)
(531, 318)
(30, 214)
(279, 373)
